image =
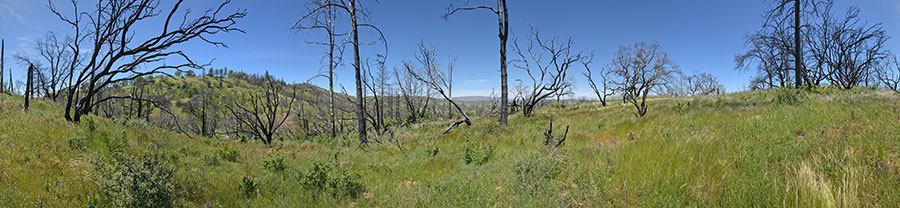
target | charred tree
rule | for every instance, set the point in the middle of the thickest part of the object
(265, 112)
(547, 63)
(502, 13)
(114, 54)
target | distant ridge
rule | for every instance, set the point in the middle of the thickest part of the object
(472, 99)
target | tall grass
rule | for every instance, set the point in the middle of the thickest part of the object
(772, 148)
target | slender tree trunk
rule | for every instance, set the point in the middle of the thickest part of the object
(331, 69)
(2, 62)
(360, 109)
(504, 32)
(28, 89)
(798, 56)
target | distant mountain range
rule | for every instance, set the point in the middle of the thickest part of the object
(473, 99)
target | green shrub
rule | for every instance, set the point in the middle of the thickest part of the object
(227, 153)
(343, 183)
(275, 164)
(143, 181)
(478, 153)
(315, 179)
(788, 96)
(248, 187)
(337, 181)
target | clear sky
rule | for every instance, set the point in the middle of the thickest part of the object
(700, 35)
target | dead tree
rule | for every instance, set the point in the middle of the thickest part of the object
(451, 65)
(773, 54)
(355, 12)
(547, 64)
(702, 84)
(326, 20)
(434, 79)
(57, 57)
(28, 89)
(639, 70)
(376, 87)
(113, 54)
(2, 63)
(555, 141)
(888, 73)
(503, 20)
(605, 89)
(783, 10)
(849, 49)
(411, 90)
(262, 112)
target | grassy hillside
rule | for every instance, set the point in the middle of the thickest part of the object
(779, 148)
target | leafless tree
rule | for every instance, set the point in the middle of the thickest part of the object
(703, 84)
(411, 90)
(355, 12)
(2, 63)
(326, 20)
(376, 85)
(503, 20)
(888, 73)
(29, 90)
(262, 112)
(57, 57)
(107, 36)
(567, 90)
(605, 89)
(547, 63)
(204, 107)
(451, 65)
(639, 70)
(435, 80)
(847, 50)
(786, 10)
(772, 49)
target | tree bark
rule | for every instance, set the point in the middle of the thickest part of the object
(360, 109)
(504, 34)
(798, 56)
(28, 89)
(2, 62)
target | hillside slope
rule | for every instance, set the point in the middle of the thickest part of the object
(762, 148)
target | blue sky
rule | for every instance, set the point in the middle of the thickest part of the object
(700, 35)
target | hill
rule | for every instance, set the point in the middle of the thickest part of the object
(773, 148)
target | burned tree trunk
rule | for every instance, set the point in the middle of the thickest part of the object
(549, 138)
(28, 88)
(503, 21)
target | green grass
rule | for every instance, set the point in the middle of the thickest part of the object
(831, 148)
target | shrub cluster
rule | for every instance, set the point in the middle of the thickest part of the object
(477, 153)
(145, 181)
(227, 153)
(334, 180)
(275, 164)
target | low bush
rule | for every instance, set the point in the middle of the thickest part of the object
(477, 153)
(145, 181)
(227, 153)
(788, 96)
(338, 181)
(275, 164)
